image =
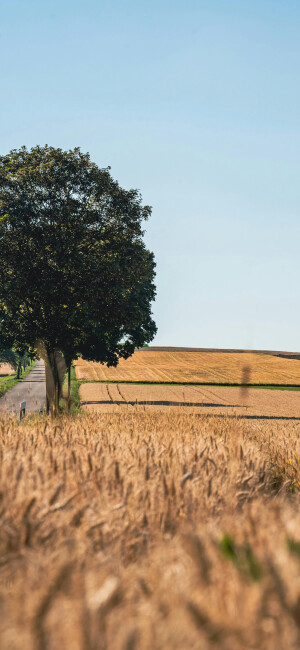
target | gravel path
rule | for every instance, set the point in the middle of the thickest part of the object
(31, 390)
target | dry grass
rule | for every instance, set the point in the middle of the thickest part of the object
(6, 369)
(213, 400)
(181, 366)
(136, 530)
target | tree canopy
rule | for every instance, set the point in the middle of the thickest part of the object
(16, 359)
(75, 275)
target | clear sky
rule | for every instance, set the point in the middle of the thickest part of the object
(197, 104)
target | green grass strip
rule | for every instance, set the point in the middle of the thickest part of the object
(188, 383)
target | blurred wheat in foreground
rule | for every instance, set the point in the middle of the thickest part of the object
(145, 530)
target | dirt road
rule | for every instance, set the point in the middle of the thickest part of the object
(31, 390)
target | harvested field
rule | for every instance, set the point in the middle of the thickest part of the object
(6, 369)
(183, 366)
(213, 400)
(145, 531)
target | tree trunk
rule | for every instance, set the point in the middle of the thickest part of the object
(19, 372)
(55, 371)
(52, 382)
(69, 386)
(56, 383)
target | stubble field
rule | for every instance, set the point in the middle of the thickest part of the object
(6, 370)
(195, 366)
(200, 400)
(141, 530)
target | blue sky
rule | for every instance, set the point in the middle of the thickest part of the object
(197, 104)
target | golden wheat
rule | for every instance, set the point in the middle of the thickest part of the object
(181, 366)
(209, 400)
(138, 530)
(6, 370)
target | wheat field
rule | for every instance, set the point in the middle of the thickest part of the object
(136, 530)
(6, 369)
(195, 366)
(200, 400)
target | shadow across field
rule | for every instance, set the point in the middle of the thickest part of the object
(159, 403)
(242, 416)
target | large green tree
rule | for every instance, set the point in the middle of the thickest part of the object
(75, 275)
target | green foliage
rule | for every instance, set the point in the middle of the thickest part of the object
(17, 359)
(75, 275)
(242, 557)
(10, 356)
(25, 359)
(294, 547)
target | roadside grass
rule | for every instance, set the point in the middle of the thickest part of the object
(75, 399)
(8, 381)
(275, 387)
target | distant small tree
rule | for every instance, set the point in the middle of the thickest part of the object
(11, 357)
(17, 359)
(75, 275)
